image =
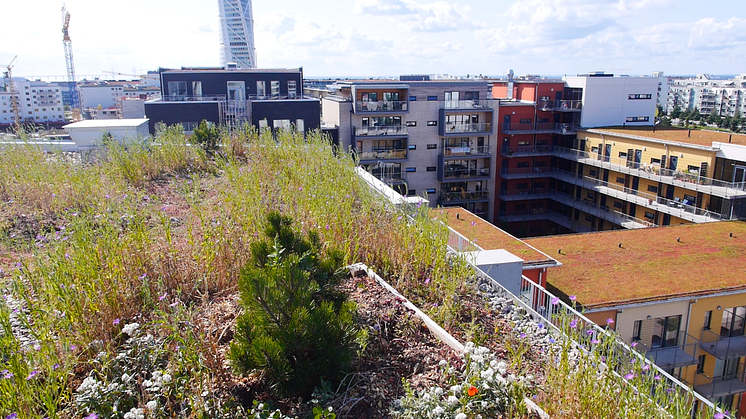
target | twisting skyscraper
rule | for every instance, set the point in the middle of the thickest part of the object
(237, 33)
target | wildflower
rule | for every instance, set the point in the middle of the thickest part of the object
(130, 328)
(629, 376)
(398, 218)
(609, 321)
(115, 322)
(152, 405)
(657, 377)
(634, 344)
(645, 367)
(551, 340)
(91, 416)
(163, 208)
(12, 416)
(107, 196)
(300, 189)
(37, 347)
(461, 416)
(541, 325)
(67, 256)
(718, 415)
(589, 332)
(141, 277)
(32, 374)
(438, 411)
(427, 280)
(595, 341)
(473, 391)
(55, 367)
(73, 347)
(6, 374)
(573, 323)
(522, 335)
(473, 223)
(162, 297)
(573, 298)
(327, 226)
(174, 304)
(555, 301)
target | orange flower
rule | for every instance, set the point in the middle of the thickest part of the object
(473, 391)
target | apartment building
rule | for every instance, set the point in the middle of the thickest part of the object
(676, 294)
(231, 96)
(433, 138)
(725, 97)
(100, 95)
(38, 103)
(556, 177)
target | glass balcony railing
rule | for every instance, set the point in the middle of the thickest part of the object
(561, 105)
(720, 386)
(450, 174)
(723, 347)
(459, 128)
(381, 130)
(682, 354)
(539, 128)
(463, 196)
(383, 154)
(464, 104)
(466, 151)
(381, 106)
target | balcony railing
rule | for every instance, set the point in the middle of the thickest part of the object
(539, 128)
(723, 347)
(383, 154)
(446, 197)
(721, 386)
(680, 355)
(465, 174)
(188, 98)
(654, 172)
(455, 151)
(456, 128)
(561, 105)
(381, 106)
(381, 130)
(521, 151)
(464, 104)
(391, 178)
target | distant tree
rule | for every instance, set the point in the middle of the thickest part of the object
(665, 121)
(713, 117)
(735, 122)
(676, 112)
(725, 122)
(694, 115)
(660, 111)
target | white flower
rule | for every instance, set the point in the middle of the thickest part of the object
(130, 328)
(152, 405)
(167, 378)
(438, 411)
(487, 374)
(456, 389)
(461, 416)
(442, 362)
(438, 391)
(452, 400)
(135, 413)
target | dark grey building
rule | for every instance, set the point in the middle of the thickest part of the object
(263, 98)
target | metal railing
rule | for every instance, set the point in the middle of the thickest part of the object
(464, 104)
(381, 106)
(539, 127)
(682, 354)
(655, 172)
(546, 214)
(391, 177)
(385, 154)
(525, 170)
(466, 151)
(381, 130)
(526, 150)
(463, 196)
(457, 128)
(561, 105)
(725, 385)
(190, 98)
(465, 173)
(723, 347)
(459, 243)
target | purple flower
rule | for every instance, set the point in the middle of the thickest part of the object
(551, 340)
(595, 341)
(141, 277)
(6, 374)
(589, 332)
(657, 377)
(629, 376)
(163, 208)
(115, 322)
(473, 223)
(174, 304)
(645, 367)
(73, 347)
(718, 415)
(55, 367)
(609, 321)
(162, 297)
(300, 189)
(107, 196)
(37, 347)
(555, 301)
(541, 325)
(574, 323)
(522, 335)
(634, 344)
(398, 218)
(32, 374)
(12, 416)
(427, 280)
(67, 256)
(91, 416)
(573, 298)
(327, 226)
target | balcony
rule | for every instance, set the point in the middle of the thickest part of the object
(544, 214)
(524, 172)
(383, 130)
(463, 174)
(539, 128)
(382, 154)
(381, 106)
(527, 151)
(681, 355)
(455, 152)
(451, 198)
(653, 172)
(454, 128)
(561, 105)
(723, 347)
(391, 178)
(721, 386)
(188, 98)
(524, 194)
(464, 104)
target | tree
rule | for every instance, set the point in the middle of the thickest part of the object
(676, 112)
(296, 327)
(660, 111)
(666, 121)
(206, 135)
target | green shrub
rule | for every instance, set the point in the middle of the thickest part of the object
(296, 327)
(206, 135)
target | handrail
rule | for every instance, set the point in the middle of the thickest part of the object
(381, 105)
(381, 130)
(458, 151)
(464, 104)
(455, 127)
(383, 154)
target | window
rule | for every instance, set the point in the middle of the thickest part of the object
(633, 96)
(638, 119)
(432, 123)
(590, 195)
(542, 120)
(525, 120)
(655, 161)
(733, 322)
(292, 88)
(281, 123)
(589, 218)
(692, 169)
(411, 123)
(431, 168)
(275, 85)
(594, 149)
(197, 89)
(176, 90)
(430, 191)
(261, 89)
(649, 215)
(619, 179)
(701, 364)
(410, 169)
(432, 146)
(708, 320)
(617, 205)
(653, 189)
(524, 143)
(411, 192)
(412, 146)
(523, 164)
(637, 330)
(413, 98)
(540, 164)
(432, 98)
(236, 91)
(300, 125)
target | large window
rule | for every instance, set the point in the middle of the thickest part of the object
(292, 88)
(275, 88)
(666, 332)
(197, 89)
(733, 322)
(177, 90)
(236, 91)
(261, 89)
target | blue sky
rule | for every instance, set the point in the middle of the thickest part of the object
(388, 37)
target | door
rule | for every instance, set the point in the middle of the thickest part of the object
(673, 161)
(506, 123)
(236, 91)
(666, 332)
(739, 176)
(451, 99)
(638, 158)
(607, 152)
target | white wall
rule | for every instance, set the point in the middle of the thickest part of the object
(104, 95)
(606, 100)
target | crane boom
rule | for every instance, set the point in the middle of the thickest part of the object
(71, 86)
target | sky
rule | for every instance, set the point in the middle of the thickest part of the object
(367, 38)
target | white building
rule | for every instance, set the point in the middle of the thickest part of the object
(100, 95)
(88, 135)
(38, 102)
(664, 86)
(237, 33)
(615, 101)
(709, 94)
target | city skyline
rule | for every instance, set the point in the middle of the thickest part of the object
(389, 37)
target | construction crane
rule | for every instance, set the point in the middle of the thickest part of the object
(10, 87)
(121, 74)
(72, 87)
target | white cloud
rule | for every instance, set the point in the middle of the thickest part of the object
(438, 16)
(381, 7)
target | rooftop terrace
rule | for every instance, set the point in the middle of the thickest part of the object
(650, 264)
(681, 135)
